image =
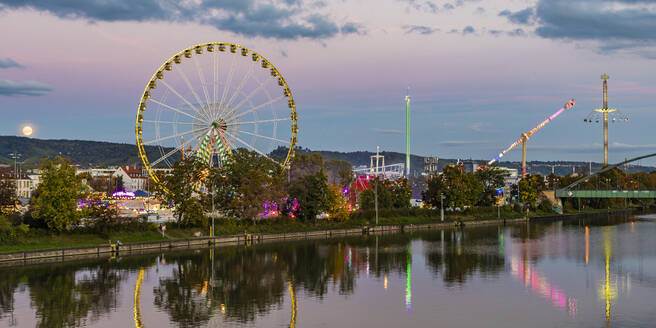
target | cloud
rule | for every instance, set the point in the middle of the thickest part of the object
(353, 28)
(479, 11)
(387, 131)
(468, 30)
(9, 63)
(432, 6)
(522, 17)
(477, 126)
(25, 88)
(278, 19)
(419, 29)
(611, 25)
(517, 32)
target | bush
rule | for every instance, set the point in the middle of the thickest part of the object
(545, 206)
(11, 234)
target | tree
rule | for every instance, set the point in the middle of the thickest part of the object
(178, 188)
(401, 193)
(309, 185)
(55, 200)
(7, 194)
(245, 183)
(338, 204)
(378, 188)
(492, 178)
(339, 171)
(459, 188)
(312, 193)
(530, 188)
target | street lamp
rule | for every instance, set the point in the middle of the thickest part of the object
(15, 156)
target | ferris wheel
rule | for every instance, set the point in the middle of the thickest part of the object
(210, 99)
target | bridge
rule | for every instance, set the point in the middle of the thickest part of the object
(568, 192)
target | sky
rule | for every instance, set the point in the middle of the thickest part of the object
(479, 73)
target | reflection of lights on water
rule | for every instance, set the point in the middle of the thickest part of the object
(138, 321)
(348, 258)
(587, 244)
(607, 289)
(385, 281)
(292, 295)
(541, 286)
(408, 285)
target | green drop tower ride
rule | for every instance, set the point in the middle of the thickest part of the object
(407, 135)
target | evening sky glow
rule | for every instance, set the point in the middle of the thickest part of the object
(480, 72)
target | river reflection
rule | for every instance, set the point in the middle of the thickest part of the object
(576, 273)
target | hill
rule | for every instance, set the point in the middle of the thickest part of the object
(99, 154)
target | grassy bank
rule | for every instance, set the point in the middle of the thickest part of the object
(42, 240)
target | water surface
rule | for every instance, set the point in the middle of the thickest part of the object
(595, 272)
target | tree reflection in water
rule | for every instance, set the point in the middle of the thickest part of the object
(240, 284)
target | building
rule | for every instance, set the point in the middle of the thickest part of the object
(133, 178)
(98, 172)
(430, 165)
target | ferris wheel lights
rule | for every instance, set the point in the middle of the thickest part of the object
(177, 60)
(160, 75)
(265, 64)
(152, 84)
(210, 48)
(187, 54)
(280, 83)
(273, 72)
(142, 106)
(233, 48)
(167, 66)
(146, 94)
(199, 50)
(244, 52)
(221, 47)
(291, 103)
(286, 93)
(254, 57)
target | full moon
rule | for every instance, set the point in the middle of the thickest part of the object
(27, 131)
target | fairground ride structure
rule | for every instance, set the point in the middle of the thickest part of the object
(524, 138)
(234, 98)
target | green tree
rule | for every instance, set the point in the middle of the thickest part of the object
(492, 178)
(530, 188)
(7, 194)
(459, 188)
(339, 171)
(55, 200)
(338, 203)
(378, 188)
(178, 188)
(312, 194)
(245, 182)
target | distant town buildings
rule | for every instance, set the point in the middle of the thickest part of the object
(430, 165)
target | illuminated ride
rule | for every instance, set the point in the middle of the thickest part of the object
(525, 136)
(209, 99)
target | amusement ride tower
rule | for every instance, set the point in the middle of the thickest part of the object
(605, 114)
(407, 134)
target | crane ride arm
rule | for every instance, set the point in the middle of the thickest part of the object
(526, 135)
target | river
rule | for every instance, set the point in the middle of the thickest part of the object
(593, 272)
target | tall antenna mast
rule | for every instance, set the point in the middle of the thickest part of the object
(407, 132)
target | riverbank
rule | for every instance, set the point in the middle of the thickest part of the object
(30, 256)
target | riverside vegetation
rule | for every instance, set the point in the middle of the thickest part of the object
(308, 196)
